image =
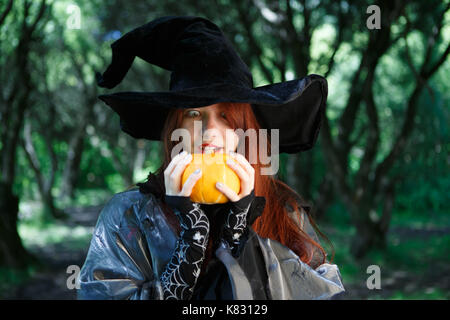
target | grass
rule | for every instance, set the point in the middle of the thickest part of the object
(42, 235)
(77, 238)
(428, 294)
(37, 232)
(34, 230)
(415, 252)
(86, 197)
(11, 278)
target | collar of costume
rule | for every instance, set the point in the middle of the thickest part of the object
(256, 208)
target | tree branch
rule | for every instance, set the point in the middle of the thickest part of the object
(5, 13)
(337, 41)
(373, 137)
(253, 44)
(417, 74)
(428, 73)
(38, 17)
(425, 74)
(433, 37)
(30, 152)
(300, 43)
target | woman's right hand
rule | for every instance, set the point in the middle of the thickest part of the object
(174, 172)
(180, 275)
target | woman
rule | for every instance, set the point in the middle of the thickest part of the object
(153, 242)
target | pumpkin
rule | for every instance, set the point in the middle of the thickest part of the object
(214, 169)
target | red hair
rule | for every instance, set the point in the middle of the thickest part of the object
(275, 222)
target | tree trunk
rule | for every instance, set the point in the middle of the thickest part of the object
(371, 227)
(72, 166)
(305, 170)
(292, 179)
(325, 197)
(299, 174)
(44, 182)
(12, 251)
(369, 234)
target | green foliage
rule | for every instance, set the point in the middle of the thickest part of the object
(427, 294)
(87, 197)
(33, 233)
(10, 279)
(417, 246)
(95, 169)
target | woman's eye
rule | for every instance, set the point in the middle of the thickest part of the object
(193, 113)
(223, 115)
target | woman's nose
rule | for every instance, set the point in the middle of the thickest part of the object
(210, 128)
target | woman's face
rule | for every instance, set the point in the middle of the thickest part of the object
(208, 130)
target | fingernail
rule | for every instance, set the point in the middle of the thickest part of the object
(197, 171)
(219, 184)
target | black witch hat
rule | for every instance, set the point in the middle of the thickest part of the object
(205, 70)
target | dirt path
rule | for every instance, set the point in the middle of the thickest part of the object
(395, 283)
(50, 283)
(401, 282)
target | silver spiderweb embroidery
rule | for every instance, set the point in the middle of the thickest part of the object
(237, 222)
(173, 284)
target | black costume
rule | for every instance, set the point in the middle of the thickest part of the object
(180, 276)
(133, 244)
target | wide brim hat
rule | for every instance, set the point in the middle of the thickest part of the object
(205, 70)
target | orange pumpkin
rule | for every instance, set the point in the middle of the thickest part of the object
(214, 169)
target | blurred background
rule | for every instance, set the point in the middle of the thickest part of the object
(378, 177)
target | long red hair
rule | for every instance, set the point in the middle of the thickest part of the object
(274, 223)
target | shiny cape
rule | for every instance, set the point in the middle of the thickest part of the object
(132, 243)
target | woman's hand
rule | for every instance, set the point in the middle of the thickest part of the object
(245, 172)
(180, 275)
(174, 172)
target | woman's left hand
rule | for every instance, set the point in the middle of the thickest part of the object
(245, 172)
